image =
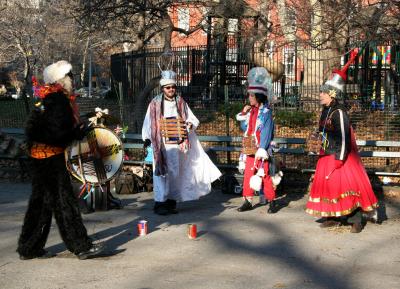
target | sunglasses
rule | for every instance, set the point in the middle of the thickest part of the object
(170, 87)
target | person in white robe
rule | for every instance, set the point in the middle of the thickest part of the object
(181, 171)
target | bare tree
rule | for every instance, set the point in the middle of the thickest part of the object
(33, 36)
(21, 39)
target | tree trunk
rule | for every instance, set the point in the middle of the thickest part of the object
(141, 103)
(27, 72)
(288, 28)
(85, 55)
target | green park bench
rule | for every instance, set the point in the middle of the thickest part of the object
(230, 147)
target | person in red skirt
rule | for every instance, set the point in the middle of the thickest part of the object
(341, 188)
(259, 126)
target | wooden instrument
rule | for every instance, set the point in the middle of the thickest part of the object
(173, 130)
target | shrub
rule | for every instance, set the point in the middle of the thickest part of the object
(231, 109)
(294, 118)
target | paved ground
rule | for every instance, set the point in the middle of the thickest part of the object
(233, 250)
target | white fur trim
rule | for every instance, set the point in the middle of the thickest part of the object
(167, 77)
(260, 172)
(56, 71)
(261, 153)
(241, 167)
(276, 180)
(255, 183)
(242, 117)
(164, 82)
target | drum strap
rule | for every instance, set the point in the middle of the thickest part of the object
(43, 151)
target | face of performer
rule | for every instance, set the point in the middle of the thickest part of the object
(169, 90)
(68, 83)
(253, 100)
(324, 98)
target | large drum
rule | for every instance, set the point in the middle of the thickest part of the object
(97, 158)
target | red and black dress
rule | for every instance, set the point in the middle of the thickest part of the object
(341, 184)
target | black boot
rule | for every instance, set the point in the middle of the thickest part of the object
(356, 228)
(273, 208)
(92, 252)
(246, 206)
(356, 220)
(171, 206)
(113, 202)
(160, 208)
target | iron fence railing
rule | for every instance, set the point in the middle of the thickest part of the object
(212, 79)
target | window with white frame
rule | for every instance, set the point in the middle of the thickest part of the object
(183, 18)
(289, 61)
(233, 26)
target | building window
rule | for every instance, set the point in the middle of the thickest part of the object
(233, 26)
(183, 18)
(289, 61)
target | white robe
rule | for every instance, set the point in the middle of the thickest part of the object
(189, 174)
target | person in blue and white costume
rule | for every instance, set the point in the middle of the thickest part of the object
(258, 122)
(181, 171)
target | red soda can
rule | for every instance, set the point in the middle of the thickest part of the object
(142, 228)
(192, 231)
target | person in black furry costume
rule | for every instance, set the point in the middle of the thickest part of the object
(50, 128)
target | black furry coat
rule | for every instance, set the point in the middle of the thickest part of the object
(54, 124)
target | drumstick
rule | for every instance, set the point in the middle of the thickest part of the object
(327, 177)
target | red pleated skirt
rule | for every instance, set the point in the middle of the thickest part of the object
(345, 190)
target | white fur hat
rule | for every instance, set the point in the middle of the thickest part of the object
(56, 71)
(167, 77)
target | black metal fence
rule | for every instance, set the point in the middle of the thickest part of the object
(212, 79)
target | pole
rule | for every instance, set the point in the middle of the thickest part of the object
(227, 116)
(90, 72)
